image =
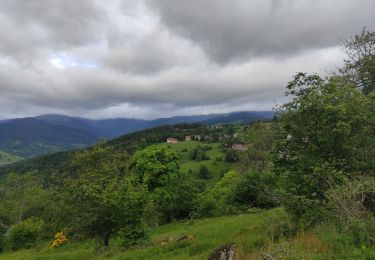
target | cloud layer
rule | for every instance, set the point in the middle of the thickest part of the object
(157, 58)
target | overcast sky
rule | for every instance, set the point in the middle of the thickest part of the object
(158, 58)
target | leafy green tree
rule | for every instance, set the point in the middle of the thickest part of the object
(259, 138)
(24, 234)
(256, 189)
(359, 66)
(103, 203)
(172, 192)
(21, 197)
(204, 172)
(325, 132)
(155, 166)
(220, 200)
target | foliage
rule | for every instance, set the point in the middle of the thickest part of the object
(325, 132)
(231, 156)
(259, 137)
(359, 66)
(220, 200)
(199, 153)
(173, 193)
(256, 190)
(347, 201)
(132, 200)
(103, 202)
(24, 234)
(155, 166)
(204, 173)
(21, 197)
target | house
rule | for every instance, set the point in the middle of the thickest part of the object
(197, 137)
(187, 138)
(240, 147)
(172, 140)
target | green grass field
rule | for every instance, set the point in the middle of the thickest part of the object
(6, 158)
(216, 164)
(255, 235)
(249, 231)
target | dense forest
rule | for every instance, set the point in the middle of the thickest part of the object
(310, 170)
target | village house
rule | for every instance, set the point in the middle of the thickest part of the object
(197, 137)
(172, 140)
(187, 138)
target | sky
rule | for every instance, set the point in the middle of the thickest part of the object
(161, 58)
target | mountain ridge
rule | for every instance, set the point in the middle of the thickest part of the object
(43, 134)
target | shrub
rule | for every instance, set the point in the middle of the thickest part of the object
(206, 148)
(347, 201)
(25, 234)
(256, 190)
(132, 235)
(204, 173)
(59, 240)
(219, 200)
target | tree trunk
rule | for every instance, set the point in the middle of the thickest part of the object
(106, 241)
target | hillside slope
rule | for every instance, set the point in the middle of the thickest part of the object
(6, 158)
(248, 231)
(26, 137)
(255, 236)
(59, 162)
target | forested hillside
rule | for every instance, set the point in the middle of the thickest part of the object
(27, 137)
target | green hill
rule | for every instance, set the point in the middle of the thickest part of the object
(7, 158)
(59, 163)
(27, 137)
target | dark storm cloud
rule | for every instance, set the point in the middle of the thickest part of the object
(236, 30)
(160, 58)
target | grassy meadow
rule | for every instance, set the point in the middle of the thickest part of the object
(216, 162)
(256, 236)
(250, 232)
(6, 158)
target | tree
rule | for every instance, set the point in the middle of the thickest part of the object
(256, 189)
(325, 132)
(259, 138)
(359, 66)
(155, 166)
(103, 203)
(21, 197)
(204, 172)
(220, 200)
(172, 192)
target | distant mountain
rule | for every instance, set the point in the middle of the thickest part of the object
(26, 137)
(240, 117)
(104, 128)
(111, 128)
(43, 134)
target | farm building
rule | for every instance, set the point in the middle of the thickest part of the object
(172, 141)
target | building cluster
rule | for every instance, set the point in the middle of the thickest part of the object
(188, 138)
